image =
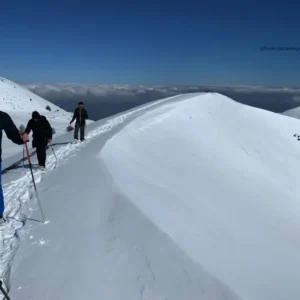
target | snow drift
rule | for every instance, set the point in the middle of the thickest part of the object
(191, 197)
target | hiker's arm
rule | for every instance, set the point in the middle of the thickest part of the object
(28, 127)
(11, 130)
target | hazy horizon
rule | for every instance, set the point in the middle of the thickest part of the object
(105, 100)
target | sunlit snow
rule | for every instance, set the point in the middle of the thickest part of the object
(191, 197)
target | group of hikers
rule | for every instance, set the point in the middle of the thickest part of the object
(41, 137)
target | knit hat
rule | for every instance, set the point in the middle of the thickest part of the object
(35, 115)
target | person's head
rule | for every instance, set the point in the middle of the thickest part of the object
(80, 104)
(35, 116)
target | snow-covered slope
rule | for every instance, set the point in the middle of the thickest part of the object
(221, 179)
(192, 197)
(294, 112)
(19, 103)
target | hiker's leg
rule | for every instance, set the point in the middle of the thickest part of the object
(76, 131)
(82, 127)
(44, 154)
(39, 154)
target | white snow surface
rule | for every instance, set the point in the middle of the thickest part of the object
(191, 197)
(294, 112)
(19, 103)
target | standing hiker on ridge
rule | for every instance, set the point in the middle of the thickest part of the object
(81, 115)
(41, 136)
(11, 131)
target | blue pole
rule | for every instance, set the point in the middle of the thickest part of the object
(1, 195)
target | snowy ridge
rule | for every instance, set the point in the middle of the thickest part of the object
(19, 103)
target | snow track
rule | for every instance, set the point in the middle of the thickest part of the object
(19, 195)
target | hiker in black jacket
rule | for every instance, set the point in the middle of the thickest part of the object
(41, 136)
(7, 125)
(81, 115)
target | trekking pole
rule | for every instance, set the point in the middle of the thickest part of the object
(53, 151)
(22, 130)
(3, 291)
(23, 157)
(36, 193)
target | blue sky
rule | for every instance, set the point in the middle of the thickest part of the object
(153, 42)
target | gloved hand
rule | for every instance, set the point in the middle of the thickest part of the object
(25, 137)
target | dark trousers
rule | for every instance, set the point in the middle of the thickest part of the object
(41, 155)
(40, 146)
(78, 127)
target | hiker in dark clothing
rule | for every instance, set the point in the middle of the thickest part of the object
(41, 136)
(81, 115)
(11, 131)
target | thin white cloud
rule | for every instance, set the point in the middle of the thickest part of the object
(84, 90)
(119, 92)
(97, 91)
